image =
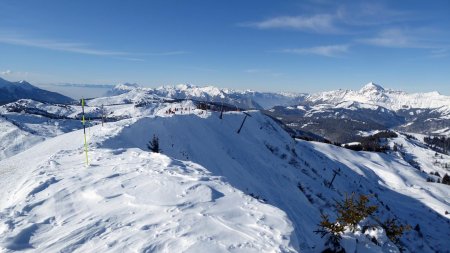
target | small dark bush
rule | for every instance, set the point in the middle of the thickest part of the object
(153, 145)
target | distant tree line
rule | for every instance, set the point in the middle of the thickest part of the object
(445, 178)
(438, 143)
(373, 143)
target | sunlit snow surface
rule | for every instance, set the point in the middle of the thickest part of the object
(195, 196)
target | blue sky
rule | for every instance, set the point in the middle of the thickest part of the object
(303, 46)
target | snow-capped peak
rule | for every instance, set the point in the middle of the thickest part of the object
(182, 86)
(122, 88)
(375, 94)
(371, 87)
(126, 86)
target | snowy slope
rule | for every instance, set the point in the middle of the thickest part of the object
(127, 200)
(415, 149)
(14, 140)
(51, 196)
(261, 161)
(25, 123)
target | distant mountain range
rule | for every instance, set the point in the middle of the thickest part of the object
(211, 188)
(375, 94)
(371, 94)
(342, 115)
(247, 99)
(339, 115)
(12, 91)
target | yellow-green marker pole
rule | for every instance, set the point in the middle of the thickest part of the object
(84, 131)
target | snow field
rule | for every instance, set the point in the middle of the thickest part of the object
(128, 200)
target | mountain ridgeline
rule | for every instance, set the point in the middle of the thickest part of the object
(339, 116)
(12, 91)
(344, 115)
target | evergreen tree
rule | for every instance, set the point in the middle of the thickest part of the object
(350, 213)
(153, 145)
(395, 148)
(353, 210)
(446, 179)
(394, 230)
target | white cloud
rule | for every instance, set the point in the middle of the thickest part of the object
(321, 23)
(339, 18)
(417, 38)
(328, 51)
(14, 75)
(6, 72)
(371, 14)
(392, 38)
(79, 48)
(57, 45)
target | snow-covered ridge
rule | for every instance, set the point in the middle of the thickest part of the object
(371, 94)
(127, 199)
(122, 88)
(207, 166)
(240, 98)
(375, 94)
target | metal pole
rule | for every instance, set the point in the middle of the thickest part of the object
(242, 124)
(84, 131)
(334, 176)
(221, 111)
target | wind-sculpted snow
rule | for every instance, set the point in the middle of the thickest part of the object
(127, 200)
(265, 162)
(211, 189)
